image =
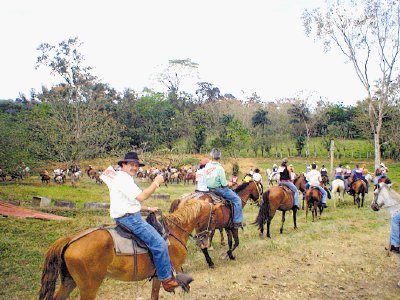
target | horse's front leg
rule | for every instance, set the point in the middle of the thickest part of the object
(155, 288)
(208, 258)
(283, 221)
(295, 218)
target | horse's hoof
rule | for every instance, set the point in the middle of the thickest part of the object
(211, 266)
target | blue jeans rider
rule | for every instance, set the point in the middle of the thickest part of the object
(217, 182)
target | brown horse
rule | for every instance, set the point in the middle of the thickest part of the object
(278, 198)
(248, 190)
(358, 187)
(85, 262)
(45, 178)
(313, 201)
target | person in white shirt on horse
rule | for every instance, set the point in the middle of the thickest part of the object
(314, 180)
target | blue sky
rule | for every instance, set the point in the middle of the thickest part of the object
(241, 46)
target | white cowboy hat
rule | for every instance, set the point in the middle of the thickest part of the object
(382, 165)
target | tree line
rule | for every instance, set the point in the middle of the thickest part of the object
(83, 118)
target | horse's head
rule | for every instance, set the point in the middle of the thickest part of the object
(300, 182)
(384, 196)
(211, 215)
(251, 189)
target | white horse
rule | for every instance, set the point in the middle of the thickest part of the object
(272, 176)
(337, 188)
(389, 199)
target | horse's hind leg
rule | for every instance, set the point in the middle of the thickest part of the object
(283, 221)
(235, 234)
(66, 287)
(221, 232)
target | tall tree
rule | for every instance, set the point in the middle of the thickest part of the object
(81, 124)
(300, 117)
(260, 120)
(367, 32)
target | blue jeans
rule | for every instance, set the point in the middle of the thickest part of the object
(339, 177)
(395, 230)
(232, 197)
(294, 190)
(324, 193)
(157, 245)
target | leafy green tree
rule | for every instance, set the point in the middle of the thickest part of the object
(13, 142)
(200, 120)
(300, 143)
(79, 117)
(260, 120)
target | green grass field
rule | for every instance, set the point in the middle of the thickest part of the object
(344, 250)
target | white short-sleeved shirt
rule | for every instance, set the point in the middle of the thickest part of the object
(257, 177)
(314, 178)
(123, 193)
(201, 181)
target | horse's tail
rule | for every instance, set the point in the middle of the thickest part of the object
(51, 268)
(263, 213)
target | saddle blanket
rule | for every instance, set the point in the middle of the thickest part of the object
(124, 246)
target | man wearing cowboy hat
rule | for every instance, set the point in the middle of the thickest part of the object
(125, 207)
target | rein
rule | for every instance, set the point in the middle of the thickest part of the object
(197, 236)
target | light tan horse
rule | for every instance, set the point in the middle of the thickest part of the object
(86, 262)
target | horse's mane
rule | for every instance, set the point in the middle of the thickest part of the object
(241, 187)
(186, 213)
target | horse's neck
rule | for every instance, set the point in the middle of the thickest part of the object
(244, 195)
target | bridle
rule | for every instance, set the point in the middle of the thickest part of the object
(199, 237)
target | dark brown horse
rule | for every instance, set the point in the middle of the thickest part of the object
(248, 190)
(358, 187)
(313, 202)
(278, 198)
(45, 178)
(86, 262)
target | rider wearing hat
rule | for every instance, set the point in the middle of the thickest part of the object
(125, 206)
(285, 179)
(216, 182)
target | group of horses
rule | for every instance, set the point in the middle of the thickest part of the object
(171, 175)
(18, 174)
(84, 261)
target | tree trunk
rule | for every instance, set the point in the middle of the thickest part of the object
(377, 147)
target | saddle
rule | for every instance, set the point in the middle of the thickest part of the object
(317, 189)
(287, 190)
(127, 243)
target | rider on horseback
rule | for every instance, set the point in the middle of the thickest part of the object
(324, 172)
(285, 179)
(314, 180)
(216, 182)
(357, 174)
(200, 178)
(339, 172)
(125, 207)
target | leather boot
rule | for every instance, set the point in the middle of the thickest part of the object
(170, 284)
